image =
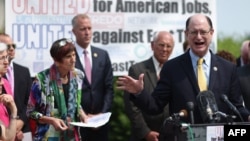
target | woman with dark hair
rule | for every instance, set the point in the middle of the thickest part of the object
(55, 96)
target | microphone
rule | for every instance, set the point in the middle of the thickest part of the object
(207, 106)
(209, 113)
(231, 106)
(190, 106)
(182, 113)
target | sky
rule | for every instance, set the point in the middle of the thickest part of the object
(233, 17)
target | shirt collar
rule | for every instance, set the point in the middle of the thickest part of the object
(156, 63)
(11, 64)
(206, 57)
(80, 50)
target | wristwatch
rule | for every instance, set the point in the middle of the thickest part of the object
(14, 117)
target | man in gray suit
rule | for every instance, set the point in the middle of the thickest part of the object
(146, 127)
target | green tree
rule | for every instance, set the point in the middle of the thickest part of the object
(120, 124)
(231, 43)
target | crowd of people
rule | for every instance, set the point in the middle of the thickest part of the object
(79, 85)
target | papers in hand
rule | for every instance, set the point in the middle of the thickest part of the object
(95, 121)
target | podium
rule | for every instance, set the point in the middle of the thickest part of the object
(176, 131)
(203, 132)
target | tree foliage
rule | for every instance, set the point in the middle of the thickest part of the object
(231, 43)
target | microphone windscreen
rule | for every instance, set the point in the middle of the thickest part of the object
(190, 106)
(183, 113)
(224, 98)
(207, 105)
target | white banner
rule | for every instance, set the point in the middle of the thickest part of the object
(122, 27)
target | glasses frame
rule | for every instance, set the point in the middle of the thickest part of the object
(201, 32)
(11, 45)
(3, 58)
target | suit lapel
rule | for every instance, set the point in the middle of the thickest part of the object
(150, 72)
(189, 70)
(213, 71)
(95, 57)
(78, 63)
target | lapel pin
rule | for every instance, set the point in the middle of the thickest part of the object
(95, 55)
(215, 68)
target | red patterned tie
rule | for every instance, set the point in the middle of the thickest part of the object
(87, 65)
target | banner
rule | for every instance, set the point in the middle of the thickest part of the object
(122, 27)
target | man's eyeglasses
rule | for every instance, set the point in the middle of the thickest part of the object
(11, 45)
(2, 58)
(201, 32)
(64, 42)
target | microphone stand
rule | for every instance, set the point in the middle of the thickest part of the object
(229, 118)
(171, 129)
(190, 106)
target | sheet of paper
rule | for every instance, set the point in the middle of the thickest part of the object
(27, 136)
(96, 121)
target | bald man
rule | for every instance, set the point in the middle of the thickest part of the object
(243, 59)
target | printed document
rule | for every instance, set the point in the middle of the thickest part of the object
(95, 121)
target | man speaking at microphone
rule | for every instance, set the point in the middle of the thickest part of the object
(178, 82)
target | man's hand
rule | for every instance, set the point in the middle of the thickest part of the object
(19, 136)
(152, 136)
(130, 85)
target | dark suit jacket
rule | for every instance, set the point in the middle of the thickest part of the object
(244, 77)
(22, 80)
(178, 85)
(141, 122)
(97, 97)
(238, 61)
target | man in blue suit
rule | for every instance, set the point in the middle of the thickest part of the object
(97, 94)
(178, 82)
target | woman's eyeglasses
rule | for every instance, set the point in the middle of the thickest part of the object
(2, 58)
(64, 42)
(11, 45)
